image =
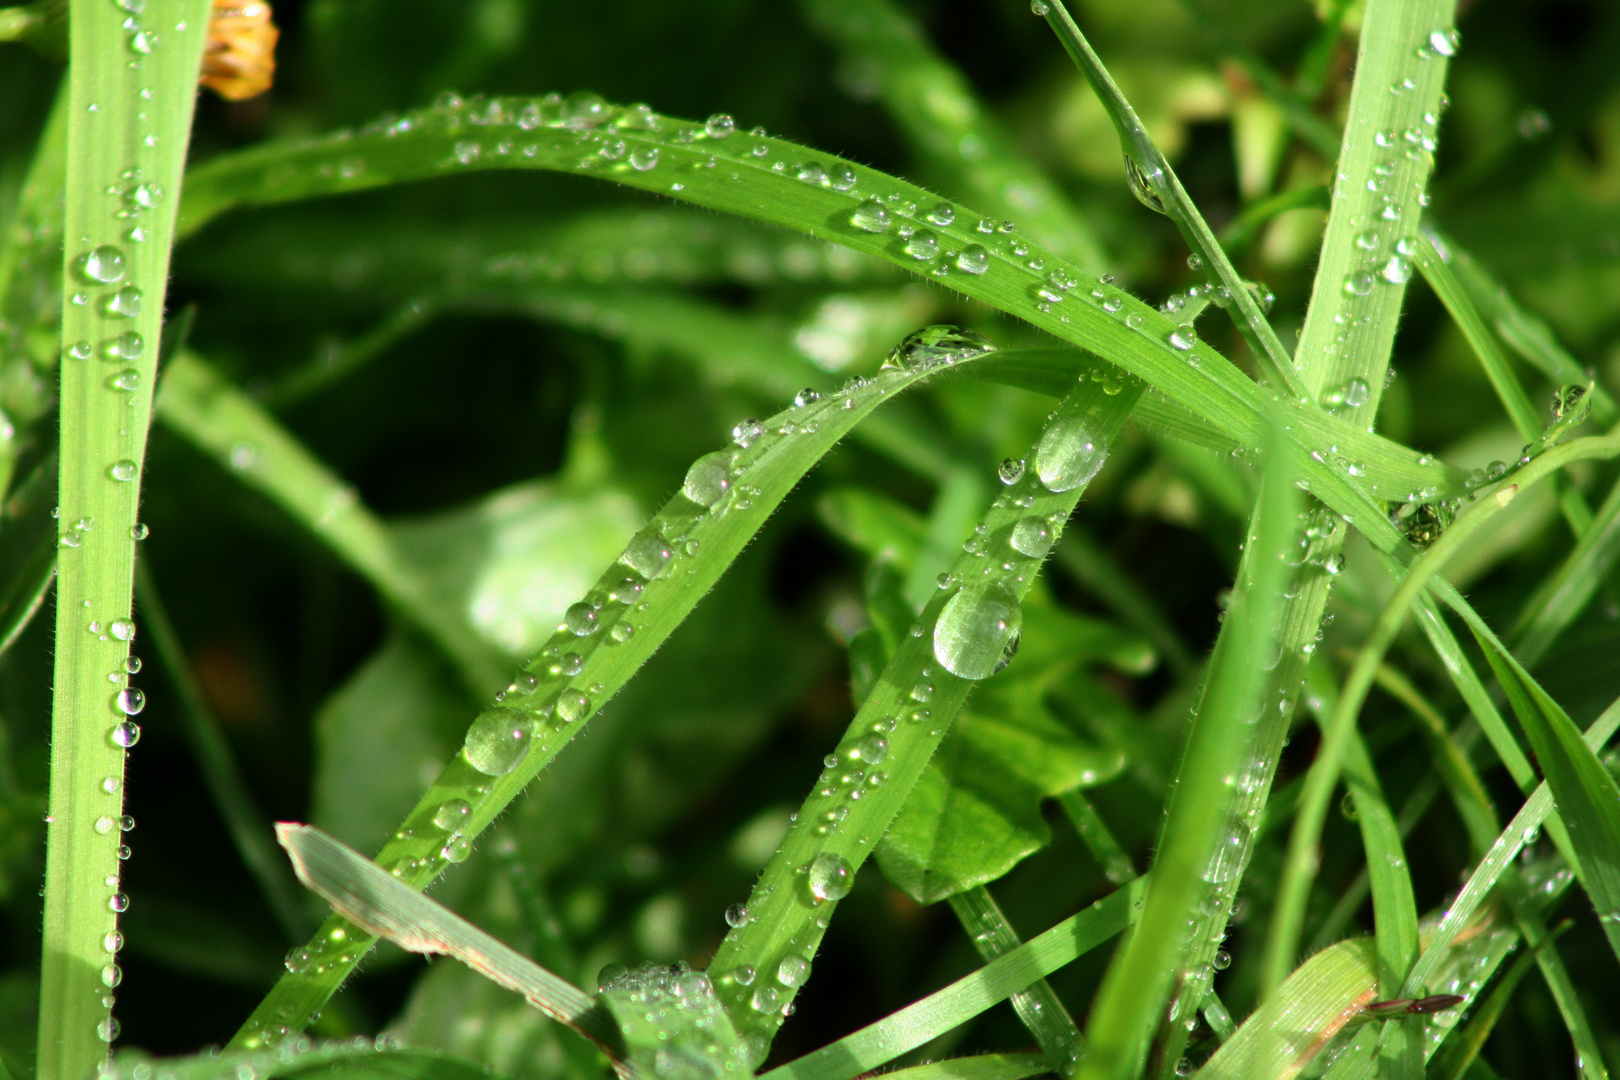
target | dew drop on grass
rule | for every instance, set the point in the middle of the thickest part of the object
(622, 632)
(647, 554)
(130, 701)
(102, 265)
(81, 350)
(922, 245)
(737, 915)
(644, 158)
(830, 877)
(452, 815)
(125, 734)
(127, 380)
(123, 304)
(582, 619)
(1397, 271)
(808, 396)
(1069, 453)
(720, 126)
(111, 976)
(709, 478)
(974, 629)
(118, 902)
(766, 999)
(456, 849)
(870, 749)
(497, 741)
(1183, 337)
(1445, 42)
(811, 172)
(974, 259)
(1358, 283)
(792, 971)
(573, 705)
(1011, 470)
(871, 216)
(123, 630)
(1032, 537)
(105, 825)
(298, 960)
(744, 975)
(123, 471)
(107, 1030)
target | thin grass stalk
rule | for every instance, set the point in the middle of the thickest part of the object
(123, 150)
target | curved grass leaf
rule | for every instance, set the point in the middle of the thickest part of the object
(982, 1067)
(117, 269)
(939, 1012)
(360, 1059)
(1460, 1051)
(1007, 271)
(634, 607)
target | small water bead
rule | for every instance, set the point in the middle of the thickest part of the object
(922, 245)
(766, 999)
(456, 849)
(747, 432)
(1222, 961)
(123, 471)
(105, 825)
(130, 701)
(647, 554)
(719, 126)
(122, 629)
(744, 975)
(452, 815)
(497, 741)
(1445, 42)
(574, 705)
(644, 158)
(118, 902)
(709, 478)
(1184, 1066)
(111, 976)
(830, 877)
(102, 265)
(793, 971)
(582, 619)
(870, 749)
(1010, 470)
(1069, 453)
(81, 350)
(1397, 271)
(112, 941)
(1183, 337)
(622, 632)
(871, 216)
(1031, 537)
(811, 172)
(936, 345)
(1358, 283)
(123, 304)
(139, 531)
(737, 915)
(125, 734)
(127, 380)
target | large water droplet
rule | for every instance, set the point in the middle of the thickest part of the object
(792, 971)
(644, 158)
(122, 629)
(647, 554)
(125, 734)
(941, 344)
(974, 259)
(123, 304)
(720, 126)
(123, 471)
(709, 478)
(452, 815)
(737, 915)
(974, 629)
(497, 741)
(1445, 42)
(583, 109)
(1031, 536)
(582, 619)
(102, 265)
(1070, 453)
(130, 702)
(830, 877)
(1183, 337)
(870, 216)
(922, 245)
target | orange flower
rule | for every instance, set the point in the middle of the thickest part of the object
(239, 60)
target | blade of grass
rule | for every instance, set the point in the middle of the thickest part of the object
(1461, 1050)
(369, 896)
(907, 711)
(1585, 793)
(936, 109)
(1561, 598)
(26, 592)
(981, 1067)
(663, 573)
(247, 825)
(1038, 1006)
(1102, 319)
(1116, 865)
(923, 1021)
(120, 266)
(224, 423)
(1152, 168)
(1201, 844)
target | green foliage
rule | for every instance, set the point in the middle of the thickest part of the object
(1035, 572)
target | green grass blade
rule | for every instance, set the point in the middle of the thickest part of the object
(908, 711)
(371, 897)
(1463, 1047)
(1303, 845)
(1202, 846)
(360, 1059)
(1153, 169)
(1460, 912)
(664, 572)
(224, 423)
(936, 109)
(1585, 793)
(1038, 1006)
(1017, 277)
(247, 825)
(1526, 334)
(120, 266)
(1116, 865)
(1559, 600)
(982, 1067)
(25, 593)
(1297, 1022)
(939, 1012)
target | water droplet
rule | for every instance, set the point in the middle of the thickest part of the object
(111, 976)
(452, 815)
(744, 976)
(830, 877)
(709, 478)
(1397, 271)
(81, 350)
(1445, 42)
(112, 941)
(1184, 1066)
(647, 554)
(583, 109)
(118, 902)
(870, 216)
(1358, 283)
(1039, 7)
(130, 702)
(298, 960)
(123, 630)
(622, 632)
(1069, 453)
(737, 915)
(792, 971)
(935, 345)
(142, 42)
(103, 265)
(127, 380)
(456, 849)
(123, 304)
(720, 126)
(1183, 337)
(766, 999)
(644, 158)
(1032, 537)
(573, 705)
(808, 396)
(811, 172)
(107, 1030)
(125, 734)
(1010, 470)
(974, 629)
(922, 245)
(139, 531)
(105, 825)
(871, 749)
(497, 741)
(974, 259)
(123, 471)
(1222, 961)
